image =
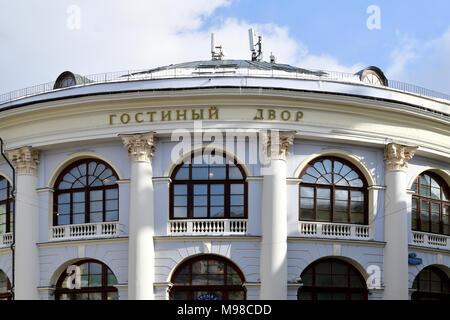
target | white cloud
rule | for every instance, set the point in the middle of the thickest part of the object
(423, 63)
(115, 35)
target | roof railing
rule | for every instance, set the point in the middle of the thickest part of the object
(161, 73)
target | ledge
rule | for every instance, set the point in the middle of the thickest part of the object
(203, 238)
(78, 242)
(371, 243)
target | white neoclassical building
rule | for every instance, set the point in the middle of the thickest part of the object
(225, 179)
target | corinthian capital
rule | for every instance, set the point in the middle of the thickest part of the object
(396, 156)
(276, 144)
(140, 146)
(25, 159)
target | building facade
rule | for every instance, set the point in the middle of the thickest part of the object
(225, 179)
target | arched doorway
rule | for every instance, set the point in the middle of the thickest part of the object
(87, 280)
(431, 284)
(332, 279)
(208, 277)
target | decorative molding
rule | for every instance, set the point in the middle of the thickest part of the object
(140, 146)
(123, 181)
(78, 242)
(254, 179)
(279, 148)
(293, 180)
(205, 238)
(374, 187)
(25, 159)
(397, 155)
(161, 180)
(370, 243)
(45, 190)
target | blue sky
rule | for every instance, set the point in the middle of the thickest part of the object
(41, 39)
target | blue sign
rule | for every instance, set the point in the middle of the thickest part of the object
(412, 259)
(208, 296)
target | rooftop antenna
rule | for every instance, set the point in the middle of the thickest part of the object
(256, 49)
(215, 55)
(272, 58)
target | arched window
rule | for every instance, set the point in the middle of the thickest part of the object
(332, 279)
(431, 204)
(207, 277)
(208, 186)
(5, 287)
(64, 80)
(86, 192)
(87, 280)
(431, 284)
(333, 190)
(6, 206)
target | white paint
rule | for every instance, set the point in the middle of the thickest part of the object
(274, 233)
(396, 237)
(26, 254)
(141, 254)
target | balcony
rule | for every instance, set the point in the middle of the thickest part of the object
(85, 231)
(334, 230)
(207, 227)
(430, 240)
(6, 239)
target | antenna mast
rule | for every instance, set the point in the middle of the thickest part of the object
(256, 49)
(215, 55)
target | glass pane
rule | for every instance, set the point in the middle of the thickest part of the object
(95, 296)
(323, 215)
(200, 173)
(305, 295)
(356, 183)
(217, 212)
(182, 174)
(217, 189)
(96, 195)
(63, 220)
(323, 193)
(319, 167)
(112, 216)
(180, 189)
(3, 194)
(217, 173)
(63, 208)
(436, 193)
(307, 192)
(96, 217)
(78, 218)
(312, 172)
(200, 189)
(235, 173)
(112, 204)
(180, 200)
(112, 296)
(200, 212)
(236, 211)
(94, 206)
(180, 212)
(341, 194)
(82, 296)
(235, 188)
(100, 168)
(307, 203)
(200, 200)
(91, 167)
(237, 200)
(306, 214)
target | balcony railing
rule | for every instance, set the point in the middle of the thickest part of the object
(6, 239)
(173, 73)
(334, 230)
(207, 227)
(86, 230)
(430, 240)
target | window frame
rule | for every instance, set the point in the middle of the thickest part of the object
(227, 182)
(348, 290)
(8, 204)
(418, 294)
(333, 187)
(104, 289)
(418, 198)
(190, 289)
(86, 190)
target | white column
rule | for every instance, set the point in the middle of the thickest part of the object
(274, 217)
(396, 222)
(141, 253)
(26, 225)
